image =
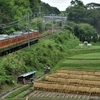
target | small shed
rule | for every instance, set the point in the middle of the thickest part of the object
(24, 78)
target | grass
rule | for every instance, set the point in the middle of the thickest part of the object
(82, 58)
(85, 50)
(79, 64)
(92, 56)
(19, 93)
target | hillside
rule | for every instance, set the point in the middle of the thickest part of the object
(82, 58)
(58, 51)
(76, 77)
(46, 52)
(14, 14)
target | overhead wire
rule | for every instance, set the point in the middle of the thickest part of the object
(8, 25)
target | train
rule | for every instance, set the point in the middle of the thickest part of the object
(17, 40)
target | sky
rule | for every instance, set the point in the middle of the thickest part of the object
(63, 4)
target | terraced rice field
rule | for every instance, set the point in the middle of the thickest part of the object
(71, 84)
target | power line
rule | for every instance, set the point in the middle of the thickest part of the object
(28, 30)
(8, 25)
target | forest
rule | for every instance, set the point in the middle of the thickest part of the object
(13, 13)
(79, 13)
(13, 16)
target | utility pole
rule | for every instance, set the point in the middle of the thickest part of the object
(62, 22)
(52, 25)
(28, 31)
(26, 22)
(40, 11)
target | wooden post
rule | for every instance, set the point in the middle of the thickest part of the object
(24, 81)
(27, 98)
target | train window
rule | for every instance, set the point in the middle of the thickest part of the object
(5, 43)
(19, 39)
(25, 37)
(13, 40)
(0, 44)
(8, 41)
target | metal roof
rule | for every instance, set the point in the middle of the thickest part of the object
(27, 74)
(3, 36)
(15, 34)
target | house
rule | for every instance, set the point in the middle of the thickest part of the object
(24, 78)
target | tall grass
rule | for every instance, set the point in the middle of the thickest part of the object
(46, 52)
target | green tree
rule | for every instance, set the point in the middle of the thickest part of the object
(84, 31)
(80, 13)
(77, 3)
(47, 9)
(93, 16)
(6, 14)
(10, 11)
(34, 5)
(76, 14)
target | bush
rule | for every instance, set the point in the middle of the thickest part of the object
(47, 52)
(84, 31)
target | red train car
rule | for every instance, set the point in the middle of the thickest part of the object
(17, 38)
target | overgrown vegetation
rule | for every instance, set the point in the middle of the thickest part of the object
(84, 31)
(78, 12)
(47, 52)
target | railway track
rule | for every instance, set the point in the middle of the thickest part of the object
(37, 94)
(5, 94)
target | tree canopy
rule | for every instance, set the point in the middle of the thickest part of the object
(84, 31)
(16, 10)
(80, 13)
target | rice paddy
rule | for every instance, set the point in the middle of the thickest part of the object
(78, 74)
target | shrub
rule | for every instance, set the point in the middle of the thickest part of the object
(47, 52)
